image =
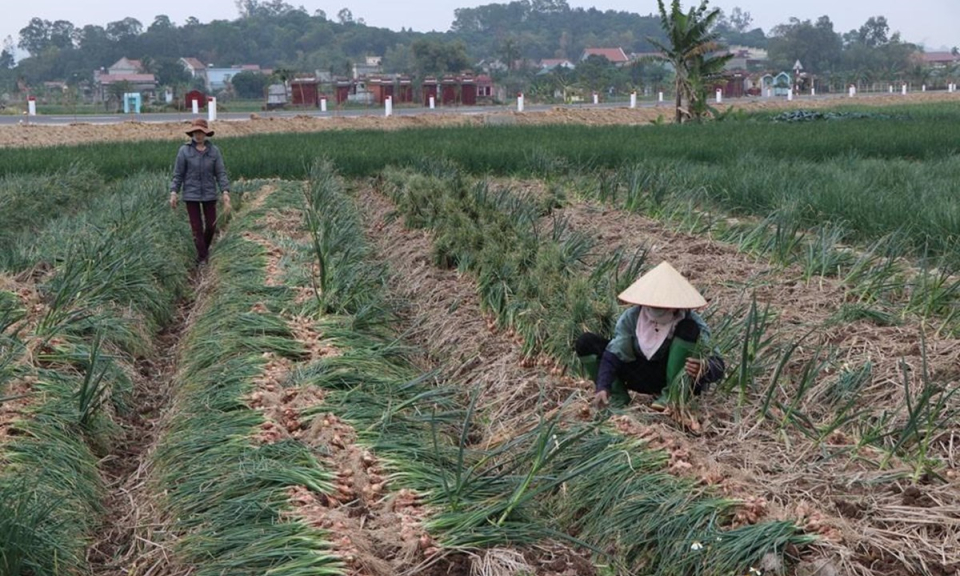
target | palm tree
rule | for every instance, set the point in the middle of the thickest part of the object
(690, 50)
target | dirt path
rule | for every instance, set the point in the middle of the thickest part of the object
(130, 540)
(38, 135)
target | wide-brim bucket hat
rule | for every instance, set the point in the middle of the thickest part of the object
(663, 287)
(199, 125)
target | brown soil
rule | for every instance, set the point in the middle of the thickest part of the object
(38, 135)
(736, 451)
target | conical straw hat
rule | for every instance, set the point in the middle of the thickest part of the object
(663, 287)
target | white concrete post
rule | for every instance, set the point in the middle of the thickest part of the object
(853, 91)
(719, 96)
(433, 103)
(211, 109)
(813, 91)
(769, 92)
(32, 106)
(596, 98)
(196, 106)
(633, 100)
(660, 97)
(789, 94)
(520, 102)
(903, 90)
(323, 104)
(388, 106)
(923, 88)
(891, 88)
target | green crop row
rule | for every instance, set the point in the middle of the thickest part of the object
(533, 272)
(227, 495)
(102, 297)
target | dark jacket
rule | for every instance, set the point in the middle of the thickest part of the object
(624, 349)
(199, 173)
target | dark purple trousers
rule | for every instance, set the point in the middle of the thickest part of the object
(203, 222)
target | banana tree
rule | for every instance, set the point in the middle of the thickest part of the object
(691, 49)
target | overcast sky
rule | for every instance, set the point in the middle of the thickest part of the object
(932, 23)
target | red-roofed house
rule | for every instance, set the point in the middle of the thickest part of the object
(615, 55)
(940, 59)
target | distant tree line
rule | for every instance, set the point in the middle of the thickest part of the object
(275, 34)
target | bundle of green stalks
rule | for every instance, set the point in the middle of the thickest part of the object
(72, 360)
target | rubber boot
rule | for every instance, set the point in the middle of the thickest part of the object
(680, 351)
(590, 366)
(619, 396)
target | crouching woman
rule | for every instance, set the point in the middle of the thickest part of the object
(653, 344)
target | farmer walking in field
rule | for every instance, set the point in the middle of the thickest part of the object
(653, 344)
(199, 170)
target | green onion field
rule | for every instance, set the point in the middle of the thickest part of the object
(375, 373)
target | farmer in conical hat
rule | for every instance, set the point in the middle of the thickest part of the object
(653, 343)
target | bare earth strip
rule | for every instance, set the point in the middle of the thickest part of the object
(134, 537)
(39, 135)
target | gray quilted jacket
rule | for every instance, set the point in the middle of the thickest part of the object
(199, 173)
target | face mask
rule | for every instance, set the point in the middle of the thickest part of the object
(661, 315)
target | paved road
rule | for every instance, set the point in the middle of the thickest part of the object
(352, 113)
(238, 116)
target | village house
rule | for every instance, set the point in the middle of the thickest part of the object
(126, 66)
(370, 66)
(130, 74)
(194, 67)
(216, 79)
(616, 56)
(940, 59)
(746, 58)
